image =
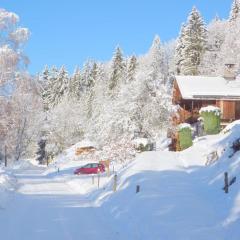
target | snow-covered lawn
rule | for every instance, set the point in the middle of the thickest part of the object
(180, 198)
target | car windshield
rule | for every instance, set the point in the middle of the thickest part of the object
(86, 166)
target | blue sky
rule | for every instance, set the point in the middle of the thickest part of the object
(67, 32)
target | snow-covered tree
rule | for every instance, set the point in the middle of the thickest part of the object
(118, 69)
(235, 11)
(57, 86)
(12, 38)
(178, 57)
(87, 76)
(44, 83)
(156, 65)
(19, 94)
(41, 152)
(131, 69)
(91, 93)
(193, 43)
(217, 31)
(230, 49)
(75, 84)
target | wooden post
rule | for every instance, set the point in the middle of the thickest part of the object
(5, 156)
(137, 188)
(115, 183)
(98, 180)
(226, 182)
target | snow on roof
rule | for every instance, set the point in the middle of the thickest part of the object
(198, 87)
(85, 143)
(143, 141)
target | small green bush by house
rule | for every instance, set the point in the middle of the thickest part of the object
(211, 119)
(184, 136)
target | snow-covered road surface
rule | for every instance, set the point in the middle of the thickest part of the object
(44, 208)
(180, 198)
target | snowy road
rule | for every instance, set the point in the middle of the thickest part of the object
(44, 208)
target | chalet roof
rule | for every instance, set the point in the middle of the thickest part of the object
(211, 88)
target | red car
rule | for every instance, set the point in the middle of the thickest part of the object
(90, 168)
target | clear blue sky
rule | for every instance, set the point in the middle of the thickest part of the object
(70, 31)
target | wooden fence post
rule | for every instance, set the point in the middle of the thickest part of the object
(98, 180)
(5, 156)
(115, 183)
(226, 182)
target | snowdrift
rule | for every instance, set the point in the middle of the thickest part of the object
(7, 186)
(180, 197)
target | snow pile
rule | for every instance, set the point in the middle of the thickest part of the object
(7, 185)
(210, 108)
(140, 141)
(180, 197)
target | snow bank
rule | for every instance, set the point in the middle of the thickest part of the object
(7, 186)
(138, 141)
(180, 197)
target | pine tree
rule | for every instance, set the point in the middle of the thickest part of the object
(131, 69)
(91, 93)
(44, 81)
(93, 74)
(75, 84)
(156, 71)
(50, 89)
(117, 69)
(58, 83)
(216, 38)
(41, 152)
(235, 11)
(87, 81)
(178, 57)
(194, 42)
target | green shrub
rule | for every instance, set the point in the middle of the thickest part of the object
(211, 120)
(185, 137)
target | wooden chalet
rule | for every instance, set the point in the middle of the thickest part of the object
(193, 92)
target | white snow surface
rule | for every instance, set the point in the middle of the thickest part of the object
(139, 141)
(210, 108)
(184, 125)
(195, 87)
(7, 186)
(180, 198)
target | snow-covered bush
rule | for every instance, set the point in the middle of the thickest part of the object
(184, 136)
(211, 118)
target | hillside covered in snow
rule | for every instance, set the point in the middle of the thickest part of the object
(180, 197)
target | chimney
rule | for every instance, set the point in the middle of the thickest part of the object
(229, 71)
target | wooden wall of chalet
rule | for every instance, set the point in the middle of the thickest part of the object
(237, 110)
(228, 109)
(177, 97)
